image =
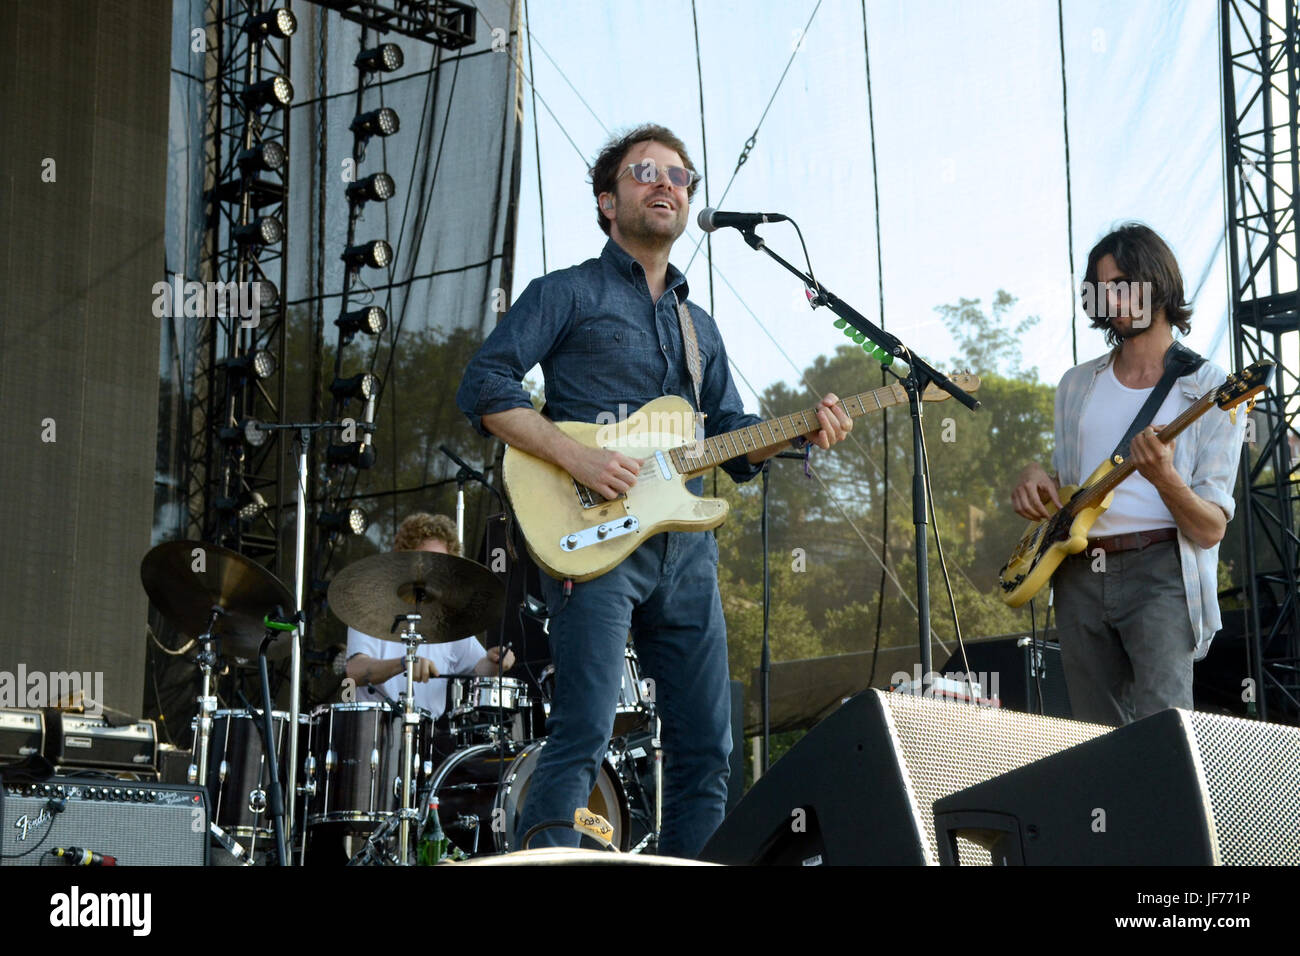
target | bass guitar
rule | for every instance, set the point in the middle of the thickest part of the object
(1046, 543)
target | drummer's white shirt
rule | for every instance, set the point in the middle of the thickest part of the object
(455, 657)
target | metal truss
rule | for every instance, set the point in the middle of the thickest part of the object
(444, 23)
(229, 471)
(1261, 100)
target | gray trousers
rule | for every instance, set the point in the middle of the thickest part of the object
(1126, 637)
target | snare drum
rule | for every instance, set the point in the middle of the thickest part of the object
(239, 775)
(479, 704)
(470, 801)
(354, 773)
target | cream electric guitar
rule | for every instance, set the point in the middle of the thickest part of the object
(574, 532)
(1046, 543)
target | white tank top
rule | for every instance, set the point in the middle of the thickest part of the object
(1111, 408)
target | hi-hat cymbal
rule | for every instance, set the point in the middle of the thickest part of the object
(455, 597)
(184, 579)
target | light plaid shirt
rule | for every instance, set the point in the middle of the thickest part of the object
(1205, 456)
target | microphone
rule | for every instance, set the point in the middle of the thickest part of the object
(76, 856)
(711, 219)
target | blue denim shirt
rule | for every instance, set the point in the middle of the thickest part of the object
(1205, 456)
(604, 347)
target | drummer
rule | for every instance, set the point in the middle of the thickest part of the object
(371, 661)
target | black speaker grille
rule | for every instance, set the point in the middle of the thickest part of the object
(1252, 773)
(944, 747)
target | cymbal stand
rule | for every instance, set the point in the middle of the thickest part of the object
(207, 660)
(410, 718)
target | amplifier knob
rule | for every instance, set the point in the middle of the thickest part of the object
(117, 793)
(153, 794)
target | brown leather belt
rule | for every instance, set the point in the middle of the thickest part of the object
(1132, 541)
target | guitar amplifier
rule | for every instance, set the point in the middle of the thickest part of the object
(138, 824)
(22, 734)
(77, 740)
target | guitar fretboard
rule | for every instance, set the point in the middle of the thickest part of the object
(701, 456)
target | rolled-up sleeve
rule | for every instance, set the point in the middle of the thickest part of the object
(1214, 472)
(539, 319)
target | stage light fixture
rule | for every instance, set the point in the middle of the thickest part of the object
(377, 254)
(358, 454)
(277, 91)
(386, 58)
(261, 363)
(264, 231)
(377, 186)
(351, 520)
(246, 432)
(253, 507)
(268, 157)
(274, 23)
(371, 320)
(364, 386)
(380, 122)
(268, 296)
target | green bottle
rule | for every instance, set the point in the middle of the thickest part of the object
(433, 842)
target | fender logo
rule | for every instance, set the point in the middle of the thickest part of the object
(23, 824)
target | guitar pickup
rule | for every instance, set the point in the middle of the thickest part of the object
(577, 540)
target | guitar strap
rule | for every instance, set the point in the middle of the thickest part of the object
(1179, 361)
(692, 347)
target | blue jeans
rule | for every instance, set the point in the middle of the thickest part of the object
(666, 594)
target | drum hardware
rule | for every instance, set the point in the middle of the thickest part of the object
(217, 597)
(406, 624)
(415, 597)
(645, 798)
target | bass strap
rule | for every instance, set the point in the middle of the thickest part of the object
(1179, 361)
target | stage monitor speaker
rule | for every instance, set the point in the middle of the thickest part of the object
(1177, 788)
(139, 824)
(859, 788)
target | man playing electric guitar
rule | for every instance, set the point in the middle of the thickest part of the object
(617, 331)
(1132, 616)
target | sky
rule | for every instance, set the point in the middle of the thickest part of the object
(970, 156)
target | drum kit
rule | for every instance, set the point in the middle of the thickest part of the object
(372, 771)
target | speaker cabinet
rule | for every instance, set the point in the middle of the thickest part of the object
(140, 824)
(1176, 788)
(859, 788)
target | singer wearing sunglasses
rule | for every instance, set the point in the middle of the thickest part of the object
(611, 335)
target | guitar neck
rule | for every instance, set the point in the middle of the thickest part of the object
(1093, 495)
(701, 456)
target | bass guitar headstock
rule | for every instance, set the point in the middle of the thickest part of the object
(1243, 386)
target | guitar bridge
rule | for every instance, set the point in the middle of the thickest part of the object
(589, 498)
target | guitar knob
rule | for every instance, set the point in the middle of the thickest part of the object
(602, 532)
(571, 541)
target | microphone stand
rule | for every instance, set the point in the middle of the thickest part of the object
(920, 376)
(765, 662)
(304, 430)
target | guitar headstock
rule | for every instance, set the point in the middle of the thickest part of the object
(1244, 385)
(966, 381)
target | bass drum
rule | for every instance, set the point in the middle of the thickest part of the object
(469, 801)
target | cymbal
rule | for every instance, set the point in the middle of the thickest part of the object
(455, 597)
(184, 579)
